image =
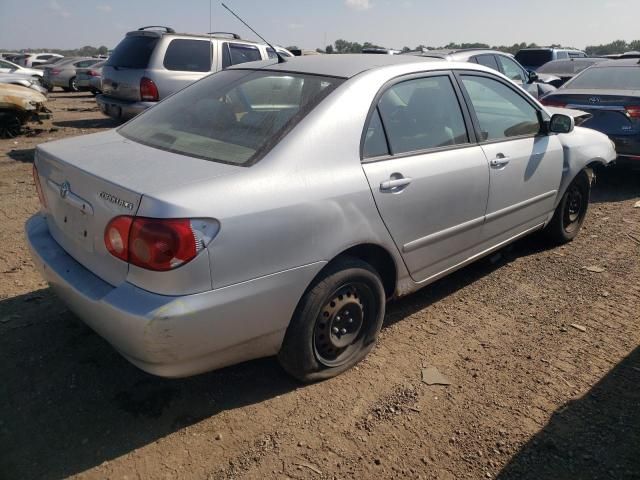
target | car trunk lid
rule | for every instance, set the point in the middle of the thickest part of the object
(88, 181)
(610, 111)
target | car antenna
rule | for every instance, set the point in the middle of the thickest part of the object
(281, 59)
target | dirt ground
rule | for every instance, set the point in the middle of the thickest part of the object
(543, 357)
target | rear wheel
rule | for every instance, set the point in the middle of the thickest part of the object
(336, 322)
(571, 211)
(10, 125)
(73, 85)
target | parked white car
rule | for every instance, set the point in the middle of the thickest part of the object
(33, 59)
(9, 67)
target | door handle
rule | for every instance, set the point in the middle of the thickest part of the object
(395, 183)
(500, 161)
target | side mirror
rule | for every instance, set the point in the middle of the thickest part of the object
(560, 123)
(533, 77)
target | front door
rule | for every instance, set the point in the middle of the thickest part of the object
(429, 179)
(525, 163)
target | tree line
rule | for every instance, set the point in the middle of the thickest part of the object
(86, 51)
(618, 46)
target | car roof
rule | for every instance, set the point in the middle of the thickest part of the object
(213, 36)
(344, 65)
(550, 48)
(621, 62)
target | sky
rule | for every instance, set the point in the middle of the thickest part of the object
(68, 24)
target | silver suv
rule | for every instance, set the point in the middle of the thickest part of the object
(151, 63)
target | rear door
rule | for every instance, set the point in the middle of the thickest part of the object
(185, 61)
(525, 163)
(428, 177)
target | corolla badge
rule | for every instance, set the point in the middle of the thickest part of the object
(115, 200)
(65, 188)
(594, 99)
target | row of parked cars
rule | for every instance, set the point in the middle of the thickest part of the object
(273, 208)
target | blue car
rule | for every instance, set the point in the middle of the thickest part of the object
(610, 92)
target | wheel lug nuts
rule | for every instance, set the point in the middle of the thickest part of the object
(350, 320)
(338, 318)
(335, 330)
(343, 331)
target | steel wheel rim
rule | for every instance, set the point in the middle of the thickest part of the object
(342, 324)
(574, 208)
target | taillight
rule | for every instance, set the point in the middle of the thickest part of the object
(633, 111)
(156, 243)
(550, 102)
(116, 237)
(55, 71)
(93, 73)
(148, 90)
(36, 180)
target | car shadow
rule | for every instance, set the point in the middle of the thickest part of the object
(89, 123)
(615, 184)
(579, 443)
(24, 155)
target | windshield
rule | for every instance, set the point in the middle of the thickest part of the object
(533, 58)
(610, 78)
(234, 116)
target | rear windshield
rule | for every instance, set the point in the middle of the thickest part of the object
(133, 52)
(533, 58)
(234, 116)
(610, 78)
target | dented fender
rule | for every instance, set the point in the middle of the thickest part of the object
(583, 148)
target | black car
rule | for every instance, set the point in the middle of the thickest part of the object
(610, 92)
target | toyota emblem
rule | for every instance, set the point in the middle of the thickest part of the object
(64, 189)
(594, 99)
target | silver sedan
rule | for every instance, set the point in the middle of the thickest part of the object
(274, 208)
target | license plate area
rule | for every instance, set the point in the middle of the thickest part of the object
(72, 215)
(75, 225)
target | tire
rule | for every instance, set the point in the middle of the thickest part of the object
(570, 213)
(73, 86)
(336, 323)
(10, 125)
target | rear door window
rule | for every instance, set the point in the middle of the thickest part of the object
(133, 52)
(236, 53)
(188, 55)
(487, 61)
(375, 141)
(562, 55)
(422, 114)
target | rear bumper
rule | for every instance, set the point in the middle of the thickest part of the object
(174, 336)
(118, 108)
(627, 146)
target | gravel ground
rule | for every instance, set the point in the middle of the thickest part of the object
(542, 354)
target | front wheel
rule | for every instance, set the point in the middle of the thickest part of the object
(336, 322)
(10, 125)
(571, 211)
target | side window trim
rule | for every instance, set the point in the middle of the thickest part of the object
(476, 123)
(464, 109)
